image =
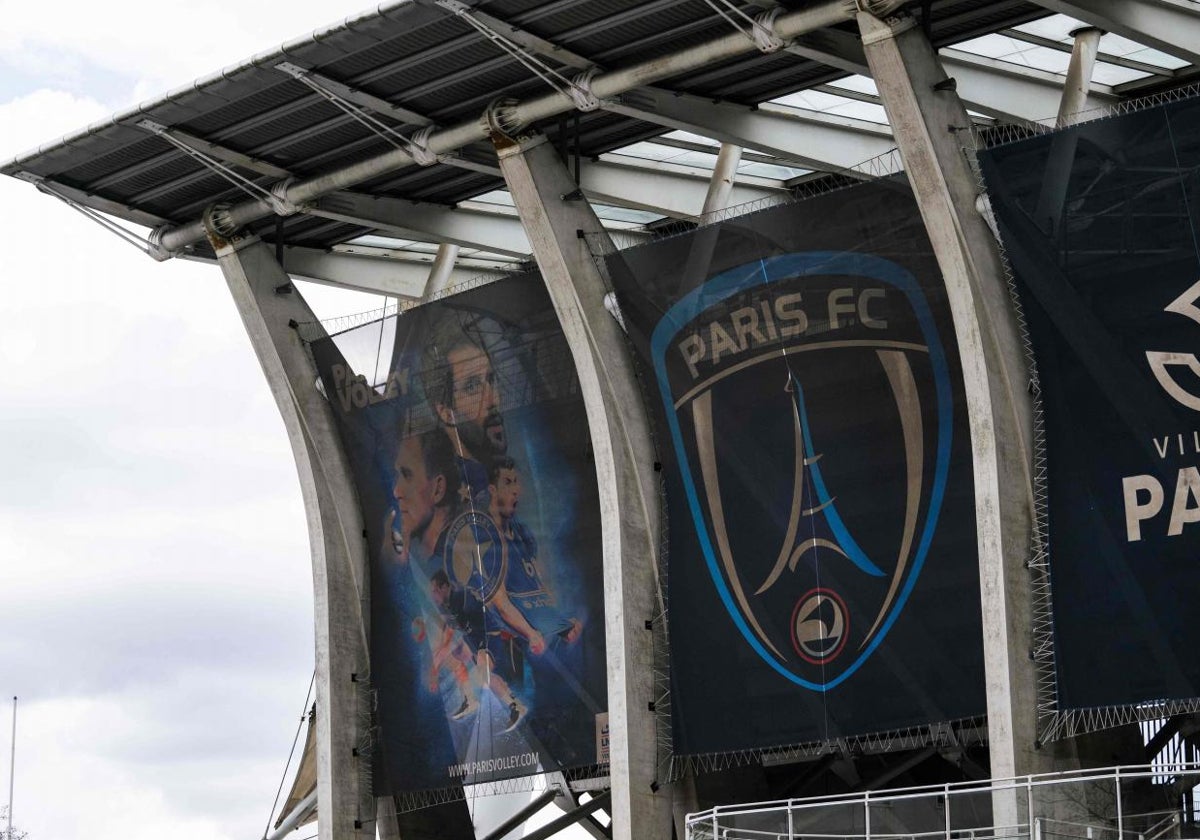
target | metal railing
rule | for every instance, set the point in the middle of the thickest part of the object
(1121, 803)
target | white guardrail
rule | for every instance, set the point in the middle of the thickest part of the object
(1119, 803)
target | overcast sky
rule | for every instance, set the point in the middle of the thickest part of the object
(155, 584)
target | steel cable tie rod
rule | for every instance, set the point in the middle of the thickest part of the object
(518, 114)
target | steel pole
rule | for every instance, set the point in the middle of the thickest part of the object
(603, 86)
(12, 769)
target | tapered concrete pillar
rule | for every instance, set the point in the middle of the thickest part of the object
(564, 232)
(930, 126)
(1057, 178)
(441, 272)
(1079, 74)
(268, 303)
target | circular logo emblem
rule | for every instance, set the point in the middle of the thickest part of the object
(820, 626)
(474, 554)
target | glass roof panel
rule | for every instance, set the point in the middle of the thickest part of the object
(687, 157)
(1123, 47)
(691, 138)
(648, 151)
(828, 103)
(859, 84)
(376, 241)
(1055, 27)
(1112, 74)
(626, 214)
(992, 45)
(771, 170)
(501, 197)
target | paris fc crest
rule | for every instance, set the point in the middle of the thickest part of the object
(809, 405)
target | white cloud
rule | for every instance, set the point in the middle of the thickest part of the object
(153, 549)
(156, 45)
(42, 116)
(157, 589)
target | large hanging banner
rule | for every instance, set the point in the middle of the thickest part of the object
(1101, 224)
(472, 461)
(822, 575)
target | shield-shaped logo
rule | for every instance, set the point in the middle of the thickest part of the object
(809, 405)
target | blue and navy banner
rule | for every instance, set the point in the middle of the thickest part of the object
(473, 465)
(822, 577)
(1101, 223)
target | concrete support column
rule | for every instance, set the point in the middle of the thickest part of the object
(439, 275)
(268, 302)
(930, 126)
(559, 226)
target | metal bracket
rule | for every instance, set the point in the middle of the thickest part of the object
(876, 8)
(891, 27)
(500, 118)
(152, 126)
(156, 249)
(219, 223)
(279, 201)
(581, 93)
(293, 70)
(419, 147)
(763, 31)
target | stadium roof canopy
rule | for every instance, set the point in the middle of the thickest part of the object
(379, 123)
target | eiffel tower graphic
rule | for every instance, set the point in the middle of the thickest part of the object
(820, 619)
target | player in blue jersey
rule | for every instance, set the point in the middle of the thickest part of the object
(431, 536)
(425, 492)
(523, 583)
(462, 389)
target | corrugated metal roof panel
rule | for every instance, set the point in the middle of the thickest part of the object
(423, 57)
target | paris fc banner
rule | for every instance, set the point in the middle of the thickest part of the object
(1100, 222)
(465, 430)
(822, 572)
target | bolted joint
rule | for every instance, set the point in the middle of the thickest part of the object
(418, 147)
(883, 27)
(500, 120)
(223, 233)
(156, 248)
(280, 203)
(875, 8)
(581, 93)
(763, 32)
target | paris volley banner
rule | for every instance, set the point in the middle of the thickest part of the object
(1101, 223)
(822, 574)
(465, 430)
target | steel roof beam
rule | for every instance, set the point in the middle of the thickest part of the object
(1172, 26)
(818, 141)
(380, 275)
(609, 181)
(93, 200)
(511, 117)
(425, 222)
(713, 147)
